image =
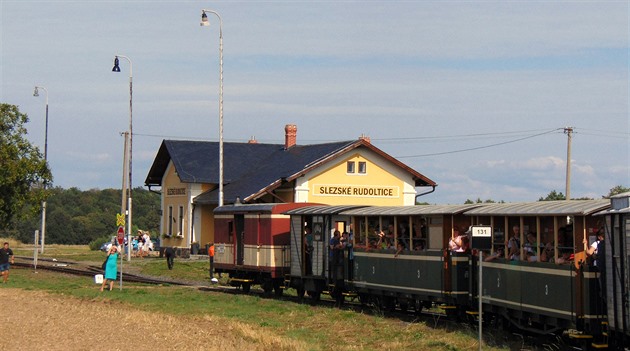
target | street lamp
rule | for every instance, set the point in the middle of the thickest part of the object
(117, 69)
(36, 94)
(205, 22)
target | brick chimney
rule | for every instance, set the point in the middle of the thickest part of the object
(252, 140)
(290, 135)
(365, 137)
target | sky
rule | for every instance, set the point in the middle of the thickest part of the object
(477, 96)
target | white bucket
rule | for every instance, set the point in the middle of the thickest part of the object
(98, 279)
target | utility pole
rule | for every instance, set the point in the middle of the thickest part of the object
(568, 131)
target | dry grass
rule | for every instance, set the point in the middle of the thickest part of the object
(178, 318)
(12, 242)
(36, 320)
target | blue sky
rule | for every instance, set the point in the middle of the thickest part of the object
(425, 80)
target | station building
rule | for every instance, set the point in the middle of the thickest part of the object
(353, 172)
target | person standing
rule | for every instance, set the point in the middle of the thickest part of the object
(593, 249)
(514, 244)
(308, 250)
(111, 267)
(211, 256)
(6, 260)
(169, 253)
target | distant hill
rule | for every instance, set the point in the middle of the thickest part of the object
(76, 217)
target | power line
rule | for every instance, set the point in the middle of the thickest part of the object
(461, 136)
(505, 134)
(482, 147)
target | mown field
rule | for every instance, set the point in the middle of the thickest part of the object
(56, 311)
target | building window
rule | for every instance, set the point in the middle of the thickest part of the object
(180, 225)
(170, 220)
(362, 168)
(350, 167)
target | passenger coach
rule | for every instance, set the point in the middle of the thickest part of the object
(614, 257)
(396, 256)
(548, 286)
(252, 244)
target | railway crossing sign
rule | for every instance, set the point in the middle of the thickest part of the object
(120, 219)
(121, 235)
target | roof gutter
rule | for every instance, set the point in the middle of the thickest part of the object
(154, 191)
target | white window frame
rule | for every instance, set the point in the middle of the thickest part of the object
(170, 220)
(350, 167)
(180, 225)
(362, 168)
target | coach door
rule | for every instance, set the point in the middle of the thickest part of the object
(239, 227)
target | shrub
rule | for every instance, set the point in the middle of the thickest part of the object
(95, 244)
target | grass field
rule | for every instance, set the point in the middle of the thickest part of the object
(264, 324)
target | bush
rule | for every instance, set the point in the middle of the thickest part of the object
(95, 244)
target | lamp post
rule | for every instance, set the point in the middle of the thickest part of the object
(36, 94)
(117, 69)
(205, 22)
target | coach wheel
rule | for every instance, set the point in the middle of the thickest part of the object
(277, 289)
(388, 303)
(246, 287)
(300, 293)
(315, 295)
(267, 288)
(404, 306)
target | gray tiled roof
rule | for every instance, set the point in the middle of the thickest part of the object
(248, 168)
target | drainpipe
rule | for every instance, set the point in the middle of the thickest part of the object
(428, 192)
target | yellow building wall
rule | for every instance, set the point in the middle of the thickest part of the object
(206, 232)
(333, 185)
(175, 194)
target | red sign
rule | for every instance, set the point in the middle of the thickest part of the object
(121, 235)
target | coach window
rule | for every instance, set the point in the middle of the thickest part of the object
(362, 168)
(350, 167)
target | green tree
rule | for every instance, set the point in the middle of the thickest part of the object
(80, 217)
(23, 170)
(479, 201)
(552, 196)
(618, 190)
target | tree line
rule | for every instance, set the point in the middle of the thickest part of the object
(76, 217)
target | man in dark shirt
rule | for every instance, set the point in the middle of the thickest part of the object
(169, 253)
(6, 260)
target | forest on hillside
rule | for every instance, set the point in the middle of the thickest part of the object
(77, 217)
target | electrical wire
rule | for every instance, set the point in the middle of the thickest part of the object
(482, 147)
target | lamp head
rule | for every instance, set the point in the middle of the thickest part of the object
(204, 19)
(35, 92)
(116, 66)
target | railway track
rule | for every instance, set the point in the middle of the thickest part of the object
(75, 268)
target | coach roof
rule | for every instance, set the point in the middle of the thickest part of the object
(541, 208)
(409, 210)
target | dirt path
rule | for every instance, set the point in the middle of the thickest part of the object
(34, 320)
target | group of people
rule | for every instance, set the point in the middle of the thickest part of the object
(389, 240)
(543, 252)
(340, 246)
(142, 244)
